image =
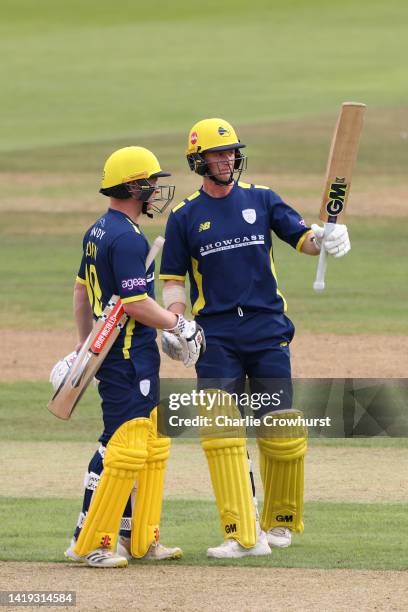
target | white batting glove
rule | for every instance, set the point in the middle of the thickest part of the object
(171, 346)
(337, 243)
(191, 338)
(61, 369)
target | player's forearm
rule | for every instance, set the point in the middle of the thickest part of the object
(174, 296)
(177, 308)
(82, 312)
(309, 246)
(150, 313)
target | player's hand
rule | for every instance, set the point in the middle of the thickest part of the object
(171, 346)
(191, 338)
(61, 369)
(337, 243)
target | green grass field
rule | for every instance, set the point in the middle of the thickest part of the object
(352, 532)
(337, 542)
(80, 79)
(86, 72)
(45, 266)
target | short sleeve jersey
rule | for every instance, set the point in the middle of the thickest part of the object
(113, 263)
(225, 246)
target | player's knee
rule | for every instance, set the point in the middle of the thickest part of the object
(220, 416)
(284, 449)
(159, 449)
(283, 436)
(127, 448)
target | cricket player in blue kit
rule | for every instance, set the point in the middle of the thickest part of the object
(221, 237)
(114, 262)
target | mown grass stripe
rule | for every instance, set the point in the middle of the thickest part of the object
(354, 536)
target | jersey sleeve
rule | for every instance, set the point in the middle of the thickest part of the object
(175, 258)
(128, 264)
(286, 222)
(81, 276)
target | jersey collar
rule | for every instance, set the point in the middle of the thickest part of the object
(204, 193)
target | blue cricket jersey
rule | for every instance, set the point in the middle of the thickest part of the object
(113, 262)
(225, 246)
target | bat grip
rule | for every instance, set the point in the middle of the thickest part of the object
(319, 283)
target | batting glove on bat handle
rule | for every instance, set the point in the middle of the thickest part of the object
(171, 346)
(192, 340)
(336, 242)
(61, 369)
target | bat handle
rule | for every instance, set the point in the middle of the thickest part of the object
(319, 284)
(156, 247)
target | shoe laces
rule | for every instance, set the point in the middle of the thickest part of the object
(228, 543)
(280, 531)
(107, 552)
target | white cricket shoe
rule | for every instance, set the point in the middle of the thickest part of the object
(71, 555)
(104, 557)
(279, 537)
(156, 552)
(101, 557)
(231, 549)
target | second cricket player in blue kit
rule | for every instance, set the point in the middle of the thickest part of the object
(221, 237)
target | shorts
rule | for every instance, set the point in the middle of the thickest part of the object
(251, 345)
(129, 388)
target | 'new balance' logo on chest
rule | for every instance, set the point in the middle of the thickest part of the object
(204, 226)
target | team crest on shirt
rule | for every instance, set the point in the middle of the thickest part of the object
(144, 386)
(249, 215)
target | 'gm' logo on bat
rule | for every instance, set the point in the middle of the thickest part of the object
(337, 196)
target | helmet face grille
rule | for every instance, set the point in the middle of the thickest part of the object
(198, 164)
(143, 191)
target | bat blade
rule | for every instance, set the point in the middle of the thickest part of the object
(340, 165)
(89, 359)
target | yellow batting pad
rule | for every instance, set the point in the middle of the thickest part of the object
(225, 449)
(147, 510)
(228, 465)
(282, 472)
(126, 454)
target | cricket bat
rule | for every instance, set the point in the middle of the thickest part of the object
(340, 164)
(94, 350)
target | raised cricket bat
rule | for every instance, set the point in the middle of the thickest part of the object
(94, 350)
(340, 164)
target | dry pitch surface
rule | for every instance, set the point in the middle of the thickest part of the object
(168, 588)
(313, 356)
